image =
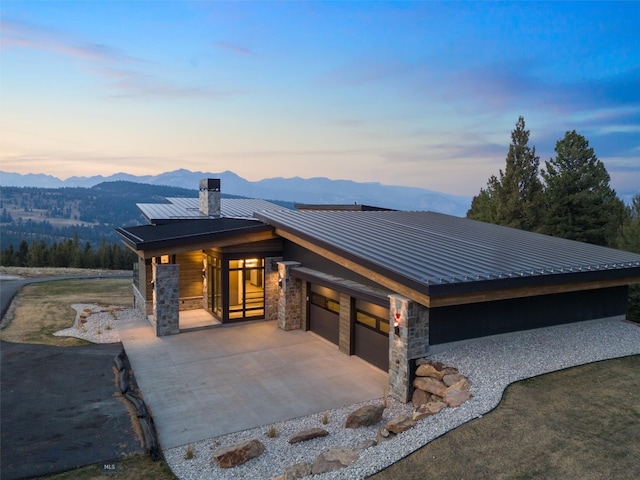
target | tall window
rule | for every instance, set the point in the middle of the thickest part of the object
(246, 288)
(215, 289)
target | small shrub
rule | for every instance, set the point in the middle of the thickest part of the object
(99, 331)
(108, 327)
(190, 452)
(272, 432)
(325, 418)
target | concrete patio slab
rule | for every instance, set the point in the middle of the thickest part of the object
(208, 383)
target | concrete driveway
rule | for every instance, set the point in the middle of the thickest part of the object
(208, 383)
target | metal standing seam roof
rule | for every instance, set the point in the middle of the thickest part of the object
(148, 237)
(189, 208)
(442, 254)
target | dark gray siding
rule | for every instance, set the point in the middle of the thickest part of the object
(463, 322)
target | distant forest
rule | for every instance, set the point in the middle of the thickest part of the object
(75, 227)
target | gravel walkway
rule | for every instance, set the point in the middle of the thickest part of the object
(490, 364)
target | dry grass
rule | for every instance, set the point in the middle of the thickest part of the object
(137, 467)
(324, 420)
(34, 272)
(190, 452)
(580, 423)
(272, 432)
(41, 309)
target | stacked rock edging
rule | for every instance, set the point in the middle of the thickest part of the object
(437, 386)
(129, 390)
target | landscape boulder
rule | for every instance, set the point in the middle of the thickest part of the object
(419, 397)
(333, 459)
(431, 385)
(455, 398)
(309, 434)
(428, 409)
(400, 424)
(364, 416)
(296, 471)
(238, 453)
(452, 378)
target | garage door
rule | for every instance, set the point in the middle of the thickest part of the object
(324, 312)
(372, 334)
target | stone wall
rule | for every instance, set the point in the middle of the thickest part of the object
(166, 296)
(289, 297)
(412, 342)
(344, 329)
(271, 293)
(145, 307)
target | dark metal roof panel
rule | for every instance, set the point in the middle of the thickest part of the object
(146, 237)
(432, 249)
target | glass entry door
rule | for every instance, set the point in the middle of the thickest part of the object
(246, 288)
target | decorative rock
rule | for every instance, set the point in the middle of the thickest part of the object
(428, 409)
(463, 384)
(383, 435)
(364, 416)
(400, 424)
(295, 471)
(419, 397)
(430, 385)
(237, 454)
(439, 366)
(455, 398)
(333, 459)
(451, 378)
(365, 444)
(305, 435)
(429, 370)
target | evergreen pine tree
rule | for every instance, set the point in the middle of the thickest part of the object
(580, 204)
(519, 196)
(515, 199)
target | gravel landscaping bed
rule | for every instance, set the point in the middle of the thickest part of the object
(490, 364)
(96, 323)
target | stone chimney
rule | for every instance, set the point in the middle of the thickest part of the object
(210, 197)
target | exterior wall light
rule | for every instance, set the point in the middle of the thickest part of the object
(396, 324)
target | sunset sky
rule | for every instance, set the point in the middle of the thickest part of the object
(403, 93)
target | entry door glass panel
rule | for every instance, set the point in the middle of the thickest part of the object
(246, 288)
(215, 278)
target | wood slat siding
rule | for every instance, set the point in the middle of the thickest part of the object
(190, 274)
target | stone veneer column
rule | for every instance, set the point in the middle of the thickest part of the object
(271, 293)
(289, 297)
(344, 329)
(166, 299)
(411, 343)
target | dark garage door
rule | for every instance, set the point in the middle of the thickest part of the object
(324, 312)
(372, 334)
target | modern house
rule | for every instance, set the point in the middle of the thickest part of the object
(388, 286)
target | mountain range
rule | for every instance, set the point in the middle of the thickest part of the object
(296, 189)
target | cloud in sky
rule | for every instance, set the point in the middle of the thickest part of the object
(234, 48)
(422, 93)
